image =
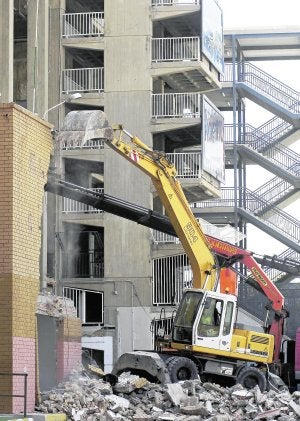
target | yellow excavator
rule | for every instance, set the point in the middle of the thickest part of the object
(205, 339)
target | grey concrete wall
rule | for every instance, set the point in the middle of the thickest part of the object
(37, 56)
(6, 50)
(128, 87)
(20, 71)
(56, 60)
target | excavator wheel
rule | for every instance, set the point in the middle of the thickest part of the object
(250, 377)
(181, 368)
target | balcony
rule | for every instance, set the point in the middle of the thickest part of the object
(86, 80)
(175, 49)
(72, 144)
(177, 105)
(83, 265)
(76, 25)
(74, 207)
(187, 164)
(196, 183)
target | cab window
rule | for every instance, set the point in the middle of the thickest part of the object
(210, 321)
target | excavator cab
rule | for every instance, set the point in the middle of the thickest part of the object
(204, 319)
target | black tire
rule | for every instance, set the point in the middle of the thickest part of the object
(181, 368)
(250, 377)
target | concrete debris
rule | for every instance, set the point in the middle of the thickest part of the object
(87, 398)
(55, 306)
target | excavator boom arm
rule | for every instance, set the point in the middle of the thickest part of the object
(162, 173)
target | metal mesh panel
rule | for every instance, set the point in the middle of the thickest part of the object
(170, 276)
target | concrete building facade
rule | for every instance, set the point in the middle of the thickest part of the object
(143, 65)
(155, 66)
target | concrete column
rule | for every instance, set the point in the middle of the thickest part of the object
(128, 88)
(56, 58)
(6, 50)
(37, 56)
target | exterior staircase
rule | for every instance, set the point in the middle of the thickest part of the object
(267, 146)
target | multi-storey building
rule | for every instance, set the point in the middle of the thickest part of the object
(155, 66)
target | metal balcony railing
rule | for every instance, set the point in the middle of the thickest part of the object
(72, 206)
(83, 80)
(174, 2)
(72, 144)
(175, 49)
(176, 105)
(83, 265)
(89, 24)
(187, 164)
(88, 304)
(171, 275)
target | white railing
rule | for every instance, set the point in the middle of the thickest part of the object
(72, 144)
(174, 2)
(187, 164)
(225, 233)
(89, 24)
(176, 105)
(171, 275)
(84, 299)
(72, 206)
(83, 80)
(176, 49)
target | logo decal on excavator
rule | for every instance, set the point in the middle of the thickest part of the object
(258, 276)
(191, 233)
(222, 246)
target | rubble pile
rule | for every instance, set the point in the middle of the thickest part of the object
(133, 398)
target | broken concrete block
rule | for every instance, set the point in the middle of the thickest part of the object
(111, 416)
(166, 416)
(209, 407)
(118, 401)
(215, 387)
(295, 407)
(242, 394)
(220, 417)
(189, 401)
(195, 410)
(270, 414)
(175, 393)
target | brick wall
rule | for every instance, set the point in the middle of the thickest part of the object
(25, 147)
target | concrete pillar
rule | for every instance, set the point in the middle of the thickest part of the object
(6, 50)
(128, 85)
(25, 147)
(37, 56)
(56, 58)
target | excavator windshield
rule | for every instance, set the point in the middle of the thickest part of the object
(185, 317)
